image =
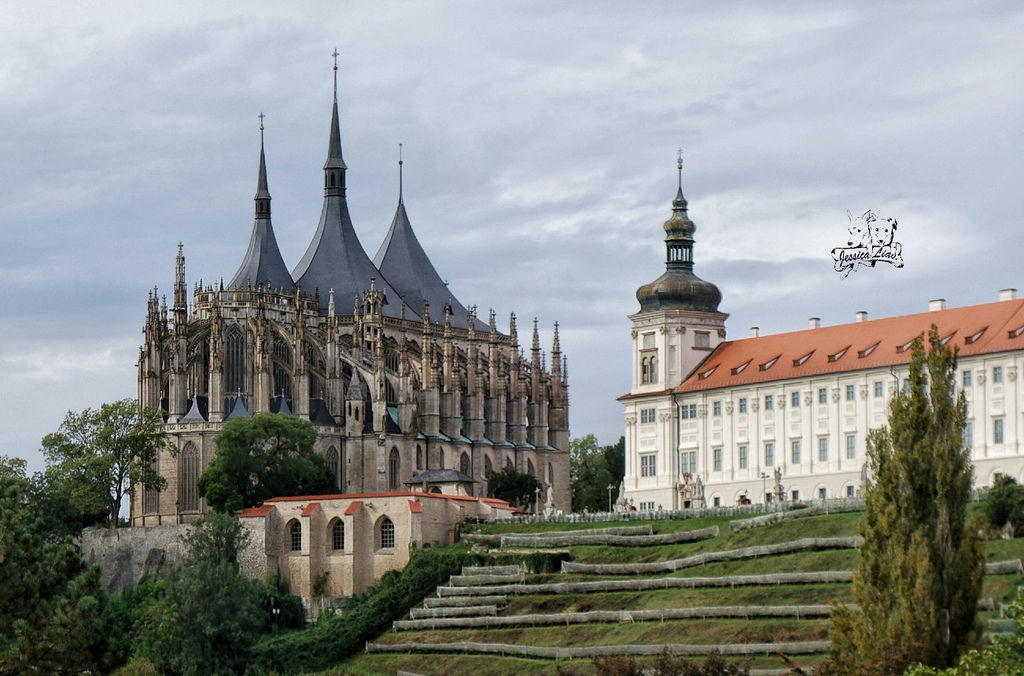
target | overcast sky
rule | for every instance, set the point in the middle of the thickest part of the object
(539, 143)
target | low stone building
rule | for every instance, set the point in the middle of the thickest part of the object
(337, 545)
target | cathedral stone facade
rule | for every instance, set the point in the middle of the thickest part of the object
(397, 376)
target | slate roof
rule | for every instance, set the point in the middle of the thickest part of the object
(335, 259)
(402, 260)
(975, 329)
(262, 263)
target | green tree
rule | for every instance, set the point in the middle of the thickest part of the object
(210, 614)
(519, 489)
(920, 567)
(1004, 503)
(50, 604)
(261, 457)
(97, 456)
(592, 469)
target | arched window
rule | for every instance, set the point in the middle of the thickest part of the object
(464, 464)
(529, 468)
(151, 496)
(394, 466)
(508, 461)
(645, 373)
(386, 534)
(188, 473)
(337, 535)
(234, 362)
(282, 368)
(653, 366)
(332, 461)
(295, 535)
(488, 467)
(419, 457)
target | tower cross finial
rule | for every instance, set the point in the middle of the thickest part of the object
(679, 165)
(400, 172)
(261, 116)
(335, 55)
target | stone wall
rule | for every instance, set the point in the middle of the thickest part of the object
(126, 554)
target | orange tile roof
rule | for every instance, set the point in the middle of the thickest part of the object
(249, 512)
(974, 329)
(310, 508)
(380, 494)
(353, 507)
(415, 507)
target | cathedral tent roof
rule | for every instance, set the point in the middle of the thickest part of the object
(262, 263)
(335, 259)
(403, 261)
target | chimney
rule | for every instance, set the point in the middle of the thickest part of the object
(937, 305)
(815, 322)
(862, 316)
(754, 332)
(1008, 294)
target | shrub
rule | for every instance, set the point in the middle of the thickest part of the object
(1004, 503)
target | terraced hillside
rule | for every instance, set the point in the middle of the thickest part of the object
(693, 585)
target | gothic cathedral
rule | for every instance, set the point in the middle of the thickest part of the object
(406, 387)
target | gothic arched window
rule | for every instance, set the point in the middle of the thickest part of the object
(488, 467)
(394, 466)
(295, 535)
(419, 457)
(188, 473)
(234, 362)
(332, 461)
(386, 534)
(464, 464)
(151, 496)
(337, 534)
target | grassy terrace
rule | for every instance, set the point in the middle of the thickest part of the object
(689, 631)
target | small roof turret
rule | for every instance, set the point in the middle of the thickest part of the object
(262, 263)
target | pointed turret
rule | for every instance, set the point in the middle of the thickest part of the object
(335, 258)
(402, 260)
(678, 287)
(263, 263)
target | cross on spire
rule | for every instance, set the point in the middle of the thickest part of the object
(261, 116)
(679, 165)
(335, 55)
(400, 172)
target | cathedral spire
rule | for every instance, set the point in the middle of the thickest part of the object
(334, 167)
(263, 263)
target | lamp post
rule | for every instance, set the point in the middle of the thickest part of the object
(536, 499)
(610, 498)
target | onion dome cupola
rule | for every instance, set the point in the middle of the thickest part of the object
(263, 263)
(335, 259)
(402, 260)
(678, 288)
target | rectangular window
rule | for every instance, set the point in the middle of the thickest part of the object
(716, 459)
(997, 374)
(701, 339)
(796, 495)
(906, 387)
(997, 431)
(743, 457)
(743, 404)
(823, 449)
(794, 400)
(967, 378)
(718, 501)
(647, 506)
(822, 395)
(878, 388)
(688, 411)
(769, 454)
(851, 492)
(794, 447)
(688, 462)
(822, 493)
(648, 340)
(969, 435)
(647, 415)
(851, 446)
(769, 402)
(849, 393)
(648, 466)
(716, 408)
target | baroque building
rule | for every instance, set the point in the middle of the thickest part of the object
(398, 377)
(710, 421)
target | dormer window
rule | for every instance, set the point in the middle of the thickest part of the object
(900, 349)
(770, 363)
(703, 375)
(1016, 332)
(838, 355)
(867, 350)
(974, 336)
(739, 369)
(947, 338)
(799, 361)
